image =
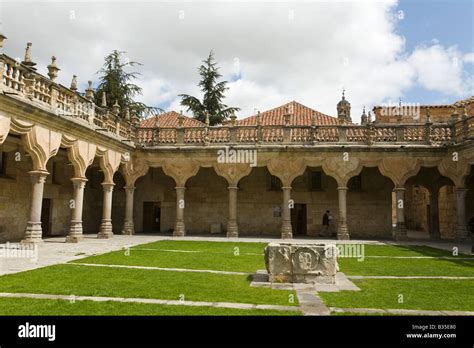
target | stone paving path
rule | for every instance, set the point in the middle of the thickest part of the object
(310, 302)
(398, 311)
(159, 268)
(150, 301)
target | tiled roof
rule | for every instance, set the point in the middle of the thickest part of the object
(300, 116)
(170, 120)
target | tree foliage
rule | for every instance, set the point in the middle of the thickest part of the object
(213, 95)
(117, 83)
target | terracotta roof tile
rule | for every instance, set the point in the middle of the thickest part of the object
(170, 120)
(301, 116)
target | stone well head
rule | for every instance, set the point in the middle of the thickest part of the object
(301, 263)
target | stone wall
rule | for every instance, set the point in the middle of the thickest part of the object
(206, 203)
(15, 191)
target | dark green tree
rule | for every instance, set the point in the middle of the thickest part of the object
(213, 94)
(118, 85)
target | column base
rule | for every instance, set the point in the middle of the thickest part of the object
(179, 229)
(74, 239)
(232, 229)
(462, 234)
(75, 232)
(33, 233)
(128, 228)
(343, 233)
(400, 233)
(105, 230)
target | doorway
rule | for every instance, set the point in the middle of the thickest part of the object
(298, 220)
(151, 217)
(46, 217)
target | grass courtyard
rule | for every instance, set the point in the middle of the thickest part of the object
(219, 272)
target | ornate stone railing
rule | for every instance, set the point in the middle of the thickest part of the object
(24, 83)
(437, 134)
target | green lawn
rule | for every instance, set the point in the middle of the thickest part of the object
(76, 279)
(426, 294)
(24, 306)
(73, 279)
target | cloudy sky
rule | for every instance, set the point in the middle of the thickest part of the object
(271, 52)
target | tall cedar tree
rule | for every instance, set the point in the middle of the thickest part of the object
(117, 84)
(213, 95)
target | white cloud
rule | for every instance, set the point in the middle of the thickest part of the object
(439, 69)
(304, 51)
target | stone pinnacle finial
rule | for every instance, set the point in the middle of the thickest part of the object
(233, 118)
(53, 69)
(207, 118)
(28, 61)
(73, 83)
(104, 100)
(2, 39)
(89, 91)
(369, 117)
(116, 107)
(127, 113)
(428, 115)
(180, 119)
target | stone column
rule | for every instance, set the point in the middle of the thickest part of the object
(434, 214)
(33, 231)
(342, 229)
(286, 230)
(75, 230)
(106, 225)
(232, 226)
(400, 231)
(128, 227)
(461, 230)
(179, 227)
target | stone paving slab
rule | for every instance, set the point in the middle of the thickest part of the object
(311, 303)
(159, 268)
(398, 311)
(260, 279)
(150, 301)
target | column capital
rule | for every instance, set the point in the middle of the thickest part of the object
(79, 182)
(129, 187)
(342, 188)
(399, 189)
(286, 187)
(180, 187)
(38, 176)
(461, 190)
(232, 187)
(107, 186)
